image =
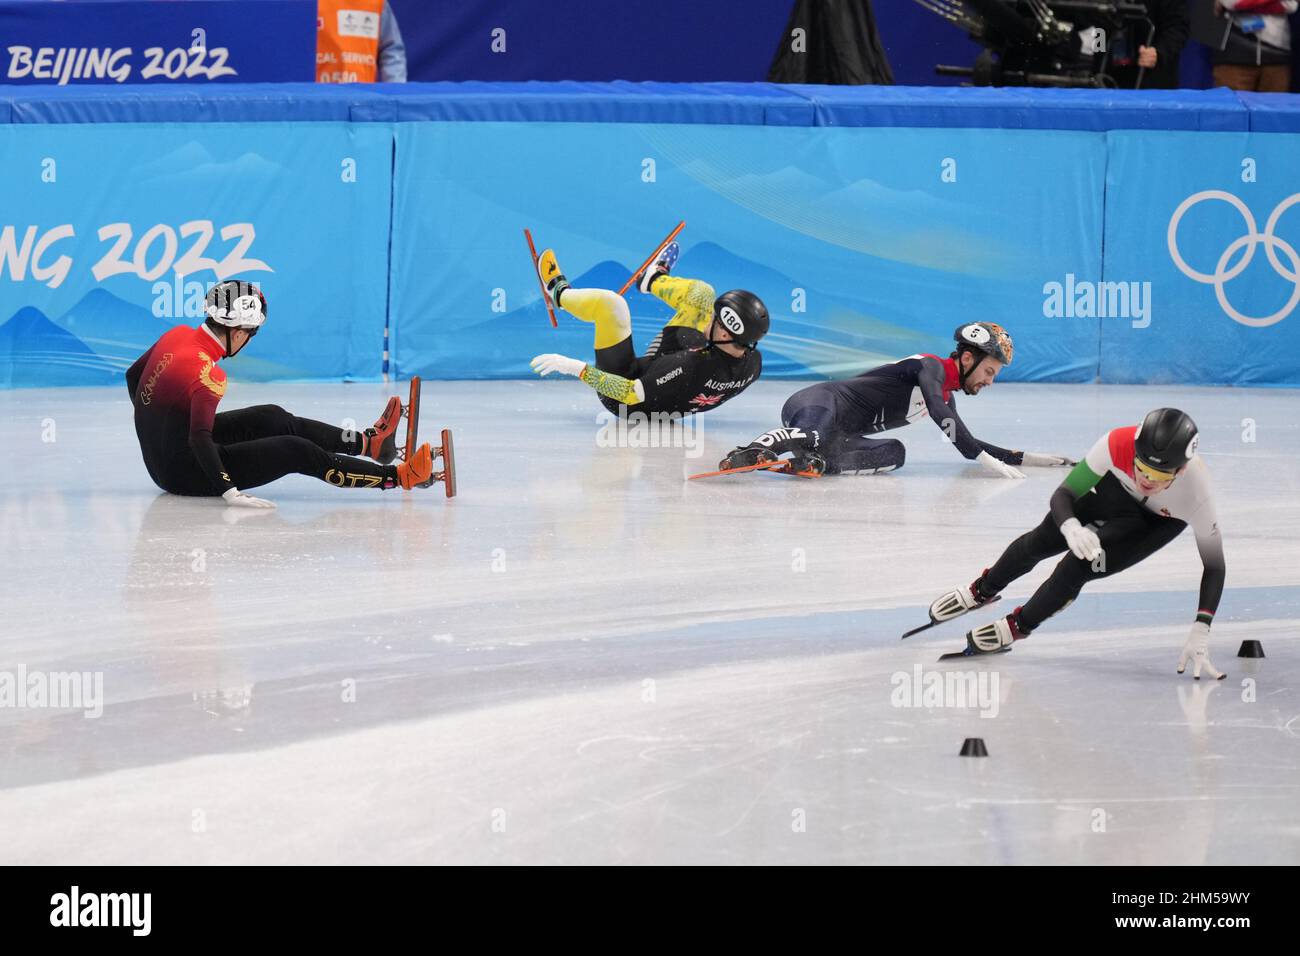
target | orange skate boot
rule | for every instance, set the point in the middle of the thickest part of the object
(380, 439)
(417, 470)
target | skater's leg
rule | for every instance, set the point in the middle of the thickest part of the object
(251, 464)
(1131, 549)
(618, 359)
(858, 454)
(807, 419)
(184, 476)
(815, 410)
(1124, 541)
(811, 423)
(269, 421)
(803, 432)
(605, 309)
(1114, 512)
(1022, 555)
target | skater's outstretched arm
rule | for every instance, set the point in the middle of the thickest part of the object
(998, 460)
(1002, 454)
(944, 413)
(1213, 573)
(1001, 461)
(1209, 543)
(626, 391)
(1017, 458)
(1214, 569)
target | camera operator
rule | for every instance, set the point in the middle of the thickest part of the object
(1156, 59)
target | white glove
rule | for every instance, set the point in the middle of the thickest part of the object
(1083, 542)
(1036, 459)
(550, 362)
(1197, 650)
(998, 467)
(238, 499)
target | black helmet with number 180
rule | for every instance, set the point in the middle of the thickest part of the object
(1164, 443)
(743, 314)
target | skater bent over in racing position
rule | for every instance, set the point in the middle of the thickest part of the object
(705, 355)
(191, 449)
(1136, 490)
(825, 425)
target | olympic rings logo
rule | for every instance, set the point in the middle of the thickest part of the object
(1223, 273)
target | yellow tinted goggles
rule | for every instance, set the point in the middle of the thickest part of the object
(1153, 474)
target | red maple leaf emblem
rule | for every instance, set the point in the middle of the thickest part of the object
(703, 400)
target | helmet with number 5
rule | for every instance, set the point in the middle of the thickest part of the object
(981, 339)
(987, 337)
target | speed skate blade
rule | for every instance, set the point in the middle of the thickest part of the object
(970, 651)
(926, 627)
(761, 466)
(448, 464)
(412, 420)
(532, 251)
(653, 256)
(791, 473)
(918, 630)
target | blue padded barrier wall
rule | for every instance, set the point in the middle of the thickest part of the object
(866, 244)
(111, 234)
(1211, 248)
(872, 220)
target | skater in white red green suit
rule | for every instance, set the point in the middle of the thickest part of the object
(1136, 490)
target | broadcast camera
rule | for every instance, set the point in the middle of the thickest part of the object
(1044, 42)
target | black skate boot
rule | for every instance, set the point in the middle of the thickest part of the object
(746, 457)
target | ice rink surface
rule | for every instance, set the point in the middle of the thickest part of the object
(584, 658)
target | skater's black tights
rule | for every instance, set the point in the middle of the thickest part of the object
(267, 421)
(264, 442)
(842, 452)
(1129, 533)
